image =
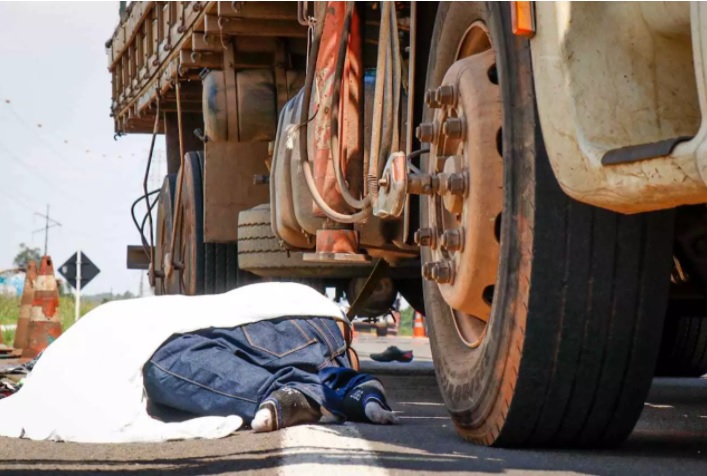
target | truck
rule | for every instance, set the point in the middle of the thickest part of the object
(529, 176)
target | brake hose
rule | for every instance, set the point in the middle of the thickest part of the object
(338, 74)
(304, 159)
(377, 121)
(141, 228)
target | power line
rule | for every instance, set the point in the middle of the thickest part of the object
(34, 130)
(16, 200)
(37, 173)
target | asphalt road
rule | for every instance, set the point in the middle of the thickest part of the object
(671, 438)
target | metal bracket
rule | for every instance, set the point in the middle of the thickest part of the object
(392, 188)
(379, 270)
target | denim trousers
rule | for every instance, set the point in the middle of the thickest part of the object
(220, 372)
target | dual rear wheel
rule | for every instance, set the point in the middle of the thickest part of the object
(202, 268)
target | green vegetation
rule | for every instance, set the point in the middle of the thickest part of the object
(10, 312)
(26, 254)
(405, 327)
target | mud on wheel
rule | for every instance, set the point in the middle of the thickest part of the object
(545, 315)
(165, 207)
(189, 246)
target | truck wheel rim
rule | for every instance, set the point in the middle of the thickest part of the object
(187, 240)
(466, 153)
(164, 232)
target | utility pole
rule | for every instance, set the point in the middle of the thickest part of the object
(47, 226)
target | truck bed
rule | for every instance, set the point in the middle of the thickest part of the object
(158, 42)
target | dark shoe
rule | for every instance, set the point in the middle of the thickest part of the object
(392, 354)
(284, 408)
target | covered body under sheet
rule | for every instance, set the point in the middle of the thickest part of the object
(88, 385)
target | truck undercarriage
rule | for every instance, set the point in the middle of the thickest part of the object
(396, 147)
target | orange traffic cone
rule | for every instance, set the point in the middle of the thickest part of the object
(418, 327)
(25, 306)
(44, 323)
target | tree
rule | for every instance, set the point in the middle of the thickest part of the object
(126, 295)
(26, 254)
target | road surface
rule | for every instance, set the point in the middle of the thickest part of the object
(671, 438)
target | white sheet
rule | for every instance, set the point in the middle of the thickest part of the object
(88, 386)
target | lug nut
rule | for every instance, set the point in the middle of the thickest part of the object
(452, 240)
(425, 132)
(447, 95)
(456, 184)
(427, 270)
(426, 237)
(443, 272)
(453, 128)
(431, 99)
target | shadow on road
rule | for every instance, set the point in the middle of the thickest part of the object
(670, 437)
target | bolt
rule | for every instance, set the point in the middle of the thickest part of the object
(447, 95)
(384, 182)
(426, 237)
(427, 270)
(452, 240)
(456, 184)
(431, 99)
(443, 272)
(453, 128)
(425, 132)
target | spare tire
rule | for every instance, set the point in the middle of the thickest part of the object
(260, 251)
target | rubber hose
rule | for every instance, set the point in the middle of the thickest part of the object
(376, 123)
(338, 74)
(304, 120)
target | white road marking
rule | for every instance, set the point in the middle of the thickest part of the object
(327, 450)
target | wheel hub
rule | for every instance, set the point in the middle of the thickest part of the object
(466, 167)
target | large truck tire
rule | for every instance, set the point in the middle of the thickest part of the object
(220, 259)
(566, 354)
(683, 352)
(221, 267)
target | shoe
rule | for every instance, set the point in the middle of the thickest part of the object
(284, 408)
(391, 354)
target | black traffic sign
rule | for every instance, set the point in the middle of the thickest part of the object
(88, 270)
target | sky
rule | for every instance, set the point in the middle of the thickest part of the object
(57, 145)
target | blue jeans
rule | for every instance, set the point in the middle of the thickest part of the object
(221, 372)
